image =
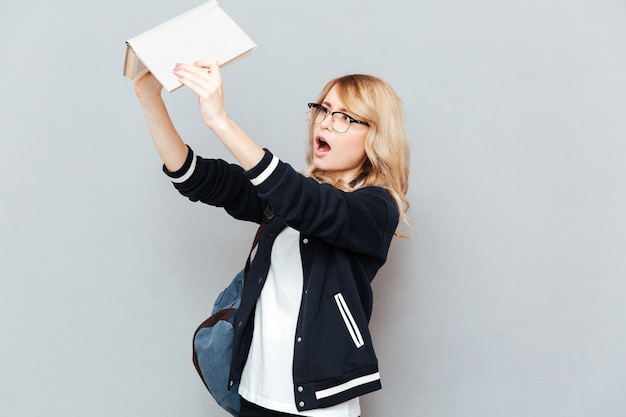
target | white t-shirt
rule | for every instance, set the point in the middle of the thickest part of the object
(267, 378)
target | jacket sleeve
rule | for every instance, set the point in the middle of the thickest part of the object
(220, 184)
(362, 221)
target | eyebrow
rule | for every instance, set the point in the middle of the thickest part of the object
(342, 109)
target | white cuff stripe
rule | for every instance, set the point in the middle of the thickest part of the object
(266, 172)
(189, 172)
(328, 392)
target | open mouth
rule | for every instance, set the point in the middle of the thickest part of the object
(322, 145)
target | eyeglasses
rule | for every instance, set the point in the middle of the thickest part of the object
(339, 121)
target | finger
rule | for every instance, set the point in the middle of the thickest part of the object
(212, 66)
(200, 72)
(201, 86)
(197, 74)
(191, 69)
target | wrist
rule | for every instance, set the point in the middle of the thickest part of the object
(218, 123)
(149, 99)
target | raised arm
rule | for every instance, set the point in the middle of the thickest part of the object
(204, 78)
(168, 142)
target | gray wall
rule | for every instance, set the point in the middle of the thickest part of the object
(508, 301)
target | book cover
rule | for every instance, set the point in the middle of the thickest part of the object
(205, 32)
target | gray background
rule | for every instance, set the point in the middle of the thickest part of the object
(508, 300)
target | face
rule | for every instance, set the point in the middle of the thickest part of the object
(339, 155)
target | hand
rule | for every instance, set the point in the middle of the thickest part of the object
(204, 79)
(147, 86)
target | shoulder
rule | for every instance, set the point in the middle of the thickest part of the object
(376, 195)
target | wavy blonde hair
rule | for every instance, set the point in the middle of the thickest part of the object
(371, 99)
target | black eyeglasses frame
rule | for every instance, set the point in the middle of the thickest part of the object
(327, 112)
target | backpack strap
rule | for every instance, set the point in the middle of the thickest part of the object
(267, 217)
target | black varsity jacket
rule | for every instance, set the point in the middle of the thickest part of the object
(344, 240)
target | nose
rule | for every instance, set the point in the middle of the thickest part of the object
(327, 122)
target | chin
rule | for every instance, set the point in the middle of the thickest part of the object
(319, 164)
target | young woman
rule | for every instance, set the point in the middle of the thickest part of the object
(302, 344)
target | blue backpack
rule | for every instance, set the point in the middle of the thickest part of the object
(213, 343)
(213, 340)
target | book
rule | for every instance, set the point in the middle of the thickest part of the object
(205, 32)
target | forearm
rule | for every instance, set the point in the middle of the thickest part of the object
(247, 153)
(204, 79)
(167, 141)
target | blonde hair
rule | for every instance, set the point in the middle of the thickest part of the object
(371, 99)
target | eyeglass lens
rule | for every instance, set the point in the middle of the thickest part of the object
(339, 122)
